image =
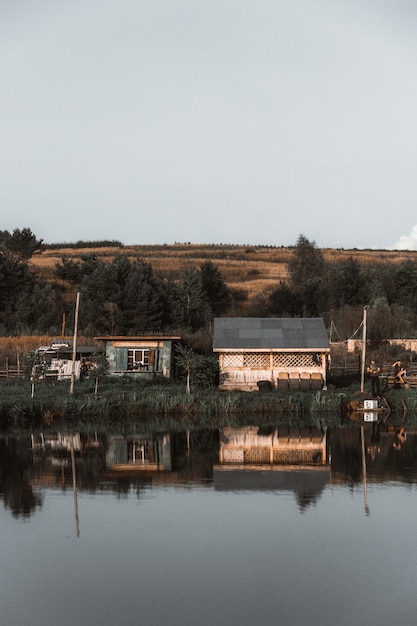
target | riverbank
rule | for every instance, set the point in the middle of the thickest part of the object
(121, 401)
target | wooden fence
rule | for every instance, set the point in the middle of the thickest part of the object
(344, 369)
(9, 370)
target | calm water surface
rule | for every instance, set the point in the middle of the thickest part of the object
(197, 529)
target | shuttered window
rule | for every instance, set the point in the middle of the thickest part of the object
(121, 359)
(121, 451)
(136, 359)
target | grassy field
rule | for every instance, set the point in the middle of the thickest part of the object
(122, 403)
(256, 269)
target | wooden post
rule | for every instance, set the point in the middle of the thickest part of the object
(74, 346)
(365, 309)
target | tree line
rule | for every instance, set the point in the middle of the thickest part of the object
(126, 297)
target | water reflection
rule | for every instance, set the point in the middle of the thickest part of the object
(240, 526)
(298, 460)
(283, 459)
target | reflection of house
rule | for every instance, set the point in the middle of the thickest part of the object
(282, 459)
(140, 452)
(280, 446)
(286, 352)
(140, 355)
(56, 448)
(56, 441)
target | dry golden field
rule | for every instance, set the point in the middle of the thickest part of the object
(256, 269)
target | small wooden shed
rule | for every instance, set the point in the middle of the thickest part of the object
(287, 353)
(141, 356)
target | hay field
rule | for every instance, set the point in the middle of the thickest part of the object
(255, 269)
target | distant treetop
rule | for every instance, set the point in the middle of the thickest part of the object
(23, 243)
(105, 243)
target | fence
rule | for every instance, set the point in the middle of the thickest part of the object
(344, 369)
(8, 370)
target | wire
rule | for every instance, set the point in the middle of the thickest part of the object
(332, 326)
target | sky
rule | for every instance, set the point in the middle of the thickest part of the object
(210, 121)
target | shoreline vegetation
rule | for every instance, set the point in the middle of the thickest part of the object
(124, 403)
(253, 273)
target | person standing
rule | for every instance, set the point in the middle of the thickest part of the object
(374, 371)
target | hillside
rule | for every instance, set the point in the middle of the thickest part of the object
(256, 269)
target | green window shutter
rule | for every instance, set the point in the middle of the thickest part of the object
(121, 359)
(121, 451)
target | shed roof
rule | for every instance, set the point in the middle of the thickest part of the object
(285, 333)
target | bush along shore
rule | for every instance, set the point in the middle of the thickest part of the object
(122, 401)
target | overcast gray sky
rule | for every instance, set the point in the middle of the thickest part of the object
(210, 121)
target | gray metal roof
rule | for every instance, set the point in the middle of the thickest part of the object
(284, 333)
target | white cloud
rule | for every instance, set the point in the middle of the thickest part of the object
(407, 242)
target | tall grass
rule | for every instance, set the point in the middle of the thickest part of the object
(125, 401)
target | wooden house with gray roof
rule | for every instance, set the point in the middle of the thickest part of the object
(284, 353)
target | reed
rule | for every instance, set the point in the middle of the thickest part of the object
(122, 402)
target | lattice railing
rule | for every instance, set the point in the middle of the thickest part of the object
(257, 456)
(297, 456)
(263, 359)
(257, 359)
(262, 455)
(296, 359)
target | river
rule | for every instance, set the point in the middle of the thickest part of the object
(242, 526)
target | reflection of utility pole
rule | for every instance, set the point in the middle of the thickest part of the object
(74, 485)
(365, 310)
(364, 471)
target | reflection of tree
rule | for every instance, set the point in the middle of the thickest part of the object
(15, 487)
(305, 499)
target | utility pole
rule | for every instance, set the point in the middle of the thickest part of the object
(365, 311)
(74, 344)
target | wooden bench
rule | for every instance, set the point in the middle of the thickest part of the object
(390, 382)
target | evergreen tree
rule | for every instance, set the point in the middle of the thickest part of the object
(217, 293)
(282, 301)
(347, 284)
(306, 263)
(100, 297)
(142, 306)
(26, 303)
(190, 306)
(405, 285)
(24, 243)
(16, 281)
